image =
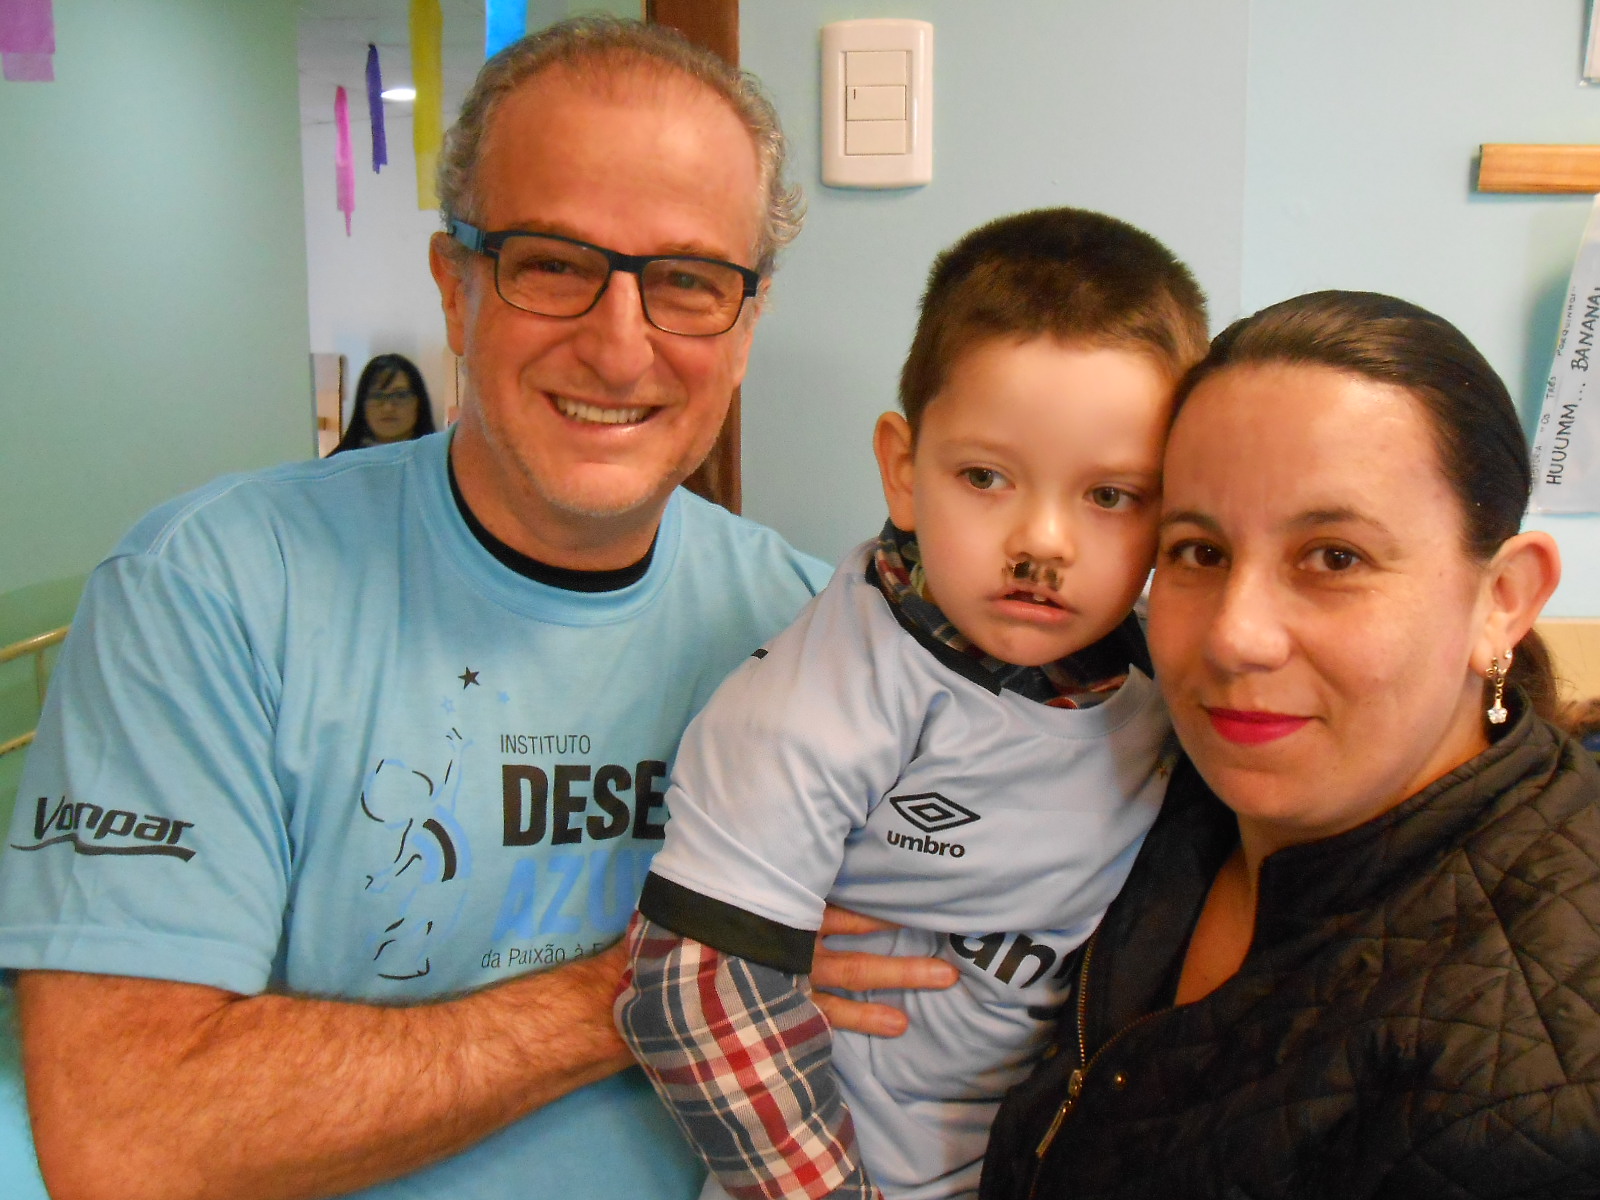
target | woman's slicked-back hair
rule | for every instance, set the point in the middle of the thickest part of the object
(596, 51)
(1483, 454)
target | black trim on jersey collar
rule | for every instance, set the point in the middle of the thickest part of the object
(565, 578)
(726, 927)
(1123, 646)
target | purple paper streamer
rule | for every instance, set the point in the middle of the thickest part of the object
(27, 41)
(27, 68)
(343, 161)
(380, 140)
(27, 27)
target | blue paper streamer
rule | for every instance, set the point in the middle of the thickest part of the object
(504, 21)
(380, 140)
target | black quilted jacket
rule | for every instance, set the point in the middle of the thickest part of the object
(1418, 1015)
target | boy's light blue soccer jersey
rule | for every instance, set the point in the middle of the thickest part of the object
(307, 734)
(847, 764)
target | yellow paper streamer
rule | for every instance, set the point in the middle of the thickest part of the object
(427, 130)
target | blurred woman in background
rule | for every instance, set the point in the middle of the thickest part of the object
(391, 405)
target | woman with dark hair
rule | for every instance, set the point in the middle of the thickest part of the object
(391, 405)
(1359, 954)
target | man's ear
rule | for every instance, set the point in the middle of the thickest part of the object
(1521, 576)
(447, 272)
(744, 332)
(893, 444)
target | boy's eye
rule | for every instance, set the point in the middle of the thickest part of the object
(983, 478)
(1111, 497)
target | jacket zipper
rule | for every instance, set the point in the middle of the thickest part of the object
(1075, 1081)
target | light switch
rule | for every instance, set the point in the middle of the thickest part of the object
(877, 103)
(865, 68)
(875, 137)
(874, 104)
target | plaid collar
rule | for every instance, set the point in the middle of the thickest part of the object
(1080, 680)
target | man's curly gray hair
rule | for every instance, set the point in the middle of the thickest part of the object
(598, 46)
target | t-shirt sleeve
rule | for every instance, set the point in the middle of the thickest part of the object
(786, 762)
(149, 837)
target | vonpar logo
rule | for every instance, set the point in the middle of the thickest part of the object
(91, 829)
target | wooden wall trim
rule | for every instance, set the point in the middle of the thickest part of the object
(713, 24)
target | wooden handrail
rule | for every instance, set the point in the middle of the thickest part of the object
(35, 646)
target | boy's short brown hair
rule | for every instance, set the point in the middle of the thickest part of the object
(1064, 273)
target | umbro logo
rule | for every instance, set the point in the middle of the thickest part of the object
(931, 812)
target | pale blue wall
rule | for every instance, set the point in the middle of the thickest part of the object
(1277, 146)
(1131, 106)
(152, 306)
(1364, 120)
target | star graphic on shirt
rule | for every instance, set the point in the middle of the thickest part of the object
(469, 678)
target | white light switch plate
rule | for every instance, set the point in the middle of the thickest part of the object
(877, 103)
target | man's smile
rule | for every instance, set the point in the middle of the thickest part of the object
(579, 410)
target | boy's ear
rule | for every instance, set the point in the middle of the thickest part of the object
(1522, 575)
(891, 442)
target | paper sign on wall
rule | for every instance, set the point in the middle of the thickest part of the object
(1566, 446)
(1591, 51)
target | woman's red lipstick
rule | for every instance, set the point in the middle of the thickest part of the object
(1249, 728)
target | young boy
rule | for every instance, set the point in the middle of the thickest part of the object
(959, 735)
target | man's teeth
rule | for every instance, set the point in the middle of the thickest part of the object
(579, 411)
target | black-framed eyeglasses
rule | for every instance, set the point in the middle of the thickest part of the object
(557, 276)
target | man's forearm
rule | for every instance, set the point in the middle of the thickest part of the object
(144, 1088)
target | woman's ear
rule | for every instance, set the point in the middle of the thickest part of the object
(893, 443)
(1521, 576)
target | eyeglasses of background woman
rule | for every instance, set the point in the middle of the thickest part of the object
(391, 405)
(1359, 953)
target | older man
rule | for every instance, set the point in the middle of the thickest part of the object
(353, 769)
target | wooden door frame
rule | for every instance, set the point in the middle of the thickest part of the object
(713, 24)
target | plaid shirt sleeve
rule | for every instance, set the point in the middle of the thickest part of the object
(743, 1058)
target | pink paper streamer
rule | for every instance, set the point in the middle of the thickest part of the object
(27, 68)
(27, 41)
(343, 161)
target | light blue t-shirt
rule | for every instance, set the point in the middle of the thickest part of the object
(308, 735)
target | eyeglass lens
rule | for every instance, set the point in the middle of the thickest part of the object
(557, 279)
